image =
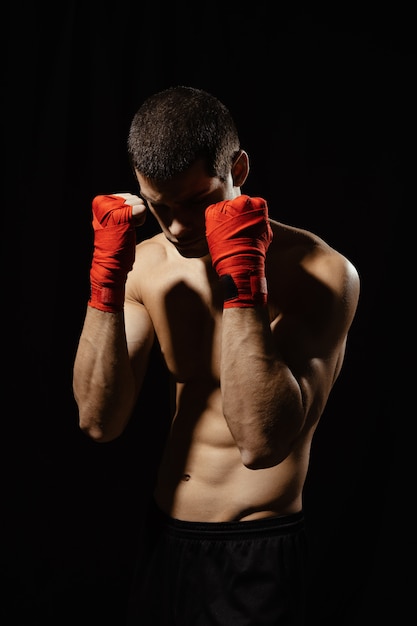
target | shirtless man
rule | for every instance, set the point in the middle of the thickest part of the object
(252, 318)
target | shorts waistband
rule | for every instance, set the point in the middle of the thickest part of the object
(280, 525)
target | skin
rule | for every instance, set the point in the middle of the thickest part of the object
(238, 451)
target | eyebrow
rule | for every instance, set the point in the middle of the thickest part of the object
(195, 198)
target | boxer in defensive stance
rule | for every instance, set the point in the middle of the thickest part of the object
(252, 317)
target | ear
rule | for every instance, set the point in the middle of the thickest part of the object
(240, 168)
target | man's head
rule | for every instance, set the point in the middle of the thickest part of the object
(185, 151)
(178, 126)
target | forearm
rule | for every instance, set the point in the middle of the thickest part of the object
(262, 400)
(103, 381)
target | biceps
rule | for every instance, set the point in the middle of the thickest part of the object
(316, 383)
(314, 359)
(139, 338)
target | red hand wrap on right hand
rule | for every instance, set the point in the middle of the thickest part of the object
(238, 234)
(114, 252)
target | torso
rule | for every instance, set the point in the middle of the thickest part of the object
(201, 476)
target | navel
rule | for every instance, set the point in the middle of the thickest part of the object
(186, 477)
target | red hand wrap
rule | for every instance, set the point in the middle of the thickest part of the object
(238, 235)
(114, 252)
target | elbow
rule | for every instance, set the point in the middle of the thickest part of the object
(99, 423)
(262, 457)
(96, 434)
(98, 431)
(268, 447)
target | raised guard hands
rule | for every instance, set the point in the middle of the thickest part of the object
(238, 235)
(114, 221)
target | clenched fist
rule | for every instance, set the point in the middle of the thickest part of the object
(238, 234)
(114, 221)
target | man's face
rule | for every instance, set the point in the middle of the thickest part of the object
(179, 206)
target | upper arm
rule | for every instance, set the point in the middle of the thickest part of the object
(139, 330)
(311, 331)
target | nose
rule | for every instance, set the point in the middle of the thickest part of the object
(177, 227)
(179, 224)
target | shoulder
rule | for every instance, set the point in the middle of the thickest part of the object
(306, 274)
(301, 251)
(154, 247)
(151, 255)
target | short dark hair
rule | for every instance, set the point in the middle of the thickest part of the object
(177, 126)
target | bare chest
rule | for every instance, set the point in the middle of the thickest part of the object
(185, 305)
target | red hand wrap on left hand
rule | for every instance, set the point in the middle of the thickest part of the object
(114, 252)
(238, 235)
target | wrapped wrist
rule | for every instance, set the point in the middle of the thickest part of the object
(244, 290)
(107, 298)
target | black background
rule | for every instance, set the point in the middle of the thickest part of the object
(324, 101)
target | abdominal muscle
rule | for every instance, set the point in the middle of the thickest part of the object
(201, 477)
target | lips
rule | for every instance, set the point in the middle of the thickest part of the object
(187, 243)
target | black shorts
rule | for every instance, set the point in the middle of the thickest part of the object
(221, 574)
